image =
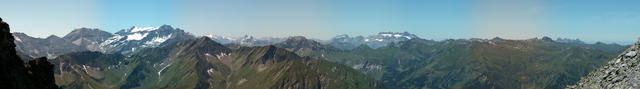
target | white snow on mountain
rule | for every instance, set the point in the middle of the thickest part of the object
(109, 42)
(380, 40)
(129, 40)
(245, 40)
(137, 36)
(17, 39)
(138, 29)
(374, 41)
(158, 40)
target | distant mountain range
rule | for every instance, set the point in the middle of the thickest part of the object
(473, 63)
(167, 57)
(203, 63)
(245, 40)
(374, 41)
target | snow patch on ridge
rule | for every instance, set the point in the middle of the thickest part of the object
(158, 40)
(138, 29)
(17, 39)
(137, 36)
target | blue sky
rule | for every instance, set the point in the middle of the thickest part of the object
(589, 20)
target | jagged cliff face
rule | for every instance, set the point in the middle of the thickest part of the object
(622, 72)
(37, 74)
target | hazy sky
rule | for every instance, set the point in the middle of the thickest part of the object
(590, 20)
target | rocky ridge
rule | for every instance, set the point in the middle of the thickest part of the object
(622, 72)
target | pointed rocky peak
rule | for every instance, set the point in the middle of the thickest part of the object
(404, 35)
(204, 38)
(142, 29)
(273, 52)
(547, 39)
(127, 40)
(248, 38)
(84, 29)
(496, 39)
(203, 41)
(51, 37)
(297, 38)
(134, 29)
(19, 36)
(88, 34)
(165, 27)
(567, 40)
(343, 36)
(204, 44)
(207, 41)
(298, 42)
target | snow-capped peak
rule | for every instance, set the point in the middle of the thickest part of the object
(342, 36)
(129, 40)
(396, 35)
(374, 41)
(138, 29)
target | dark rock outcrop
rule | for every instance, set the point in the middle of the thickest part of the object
(37, 74)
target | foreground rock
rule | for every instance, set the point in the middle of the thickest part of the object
(37, 74)
(622, 72)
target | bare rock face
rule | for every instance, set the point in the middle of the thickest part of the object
(622, 72)
(37, 74)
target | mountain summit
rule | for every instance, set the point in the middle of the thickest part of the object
(305, 47)
(126, 41)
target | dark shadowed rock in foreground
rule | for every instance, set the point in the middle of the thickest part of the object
(622, 72)
(37, 74)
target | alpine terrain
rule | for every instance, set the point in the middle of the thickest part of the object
(622, 72)
(203, 63)
(465, 63)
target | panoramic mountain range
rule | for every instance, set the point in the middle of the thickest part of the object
(167, 57)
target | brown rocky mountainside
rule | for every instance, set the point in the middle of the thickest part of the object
(36, 74)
